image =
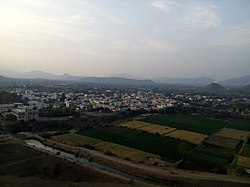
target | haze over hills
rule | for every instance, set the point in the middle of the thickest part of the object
(185, 81)
(125, 78)
(236, 82)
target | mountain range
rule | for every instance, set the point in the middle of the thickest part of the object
(126, 78)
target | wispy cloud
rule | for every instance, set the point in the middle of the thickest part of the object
(189, 15)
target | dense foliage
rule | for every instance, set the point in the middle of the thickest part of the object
(6, 98)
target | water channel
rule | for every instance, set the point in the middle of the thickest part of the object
(85, 161)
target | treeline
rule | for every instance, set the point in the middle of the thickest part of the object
(57, 112)
(6, 97)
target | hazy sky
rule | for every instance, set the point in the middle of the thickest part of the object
(146, 38)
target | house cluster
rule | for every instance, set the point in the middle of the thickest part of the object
(22, 113)
(118, 101)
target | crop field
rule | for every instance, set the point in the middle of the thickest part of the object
(234, 133)
(134, 124)
(148, 127)
(246, 151)
(213, 155)
(190, 123)
(243, 162)
(127, 153)
(223, 142)
(168, 148)
(239, 124)
(157, 129)
(192, 137)
(76, 139)
(108, 148)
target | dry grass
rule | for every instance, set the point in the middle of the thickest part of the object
(134, 124)
(233, 133)
(126, 153)
(148, 127)
(192, 137)
(157, 129)
(243, 162)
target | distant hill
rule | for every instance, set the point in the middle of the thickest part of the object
(115, 80)
(199, 81)
(124, 75)
(245, 89)
(237, 82)
(214, 87)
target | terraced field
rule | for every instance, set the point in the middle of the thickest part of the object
(189, 123)
(192, 137)
(168, 148)
(234, 133)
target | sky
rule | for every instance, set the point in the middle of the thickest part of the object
(145, 38)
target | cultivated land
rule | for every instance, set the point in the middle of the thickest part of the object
(192, 137)
(148, 127)
(127, 153)
(243, 161)
(239, 124)
(108, 148)
(223, 142)
(134, 124)
(234, 133)
(167, 148)
(246, 151)
(190, 123)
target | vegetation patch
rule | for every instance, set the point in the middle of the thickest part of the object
(193, 137)
(134, 124)
(243, 161)
(234, 133)
(167, 148)
(224, 142)
(127, 153)
(240, 124)
(246, 151)
(209, 159)
(77, 140)
(190, 123)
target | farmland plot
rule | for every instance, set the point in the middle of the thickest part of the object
(246, 151)
(190, 123)
(234, 133)
(192, 137)
(167, 148)
(134, 124)
(76, 139)
(243, 162)
(126, 153)
(223, 142)
(157, 129)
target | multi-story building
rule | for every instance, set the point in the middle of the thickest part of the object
(25, 114)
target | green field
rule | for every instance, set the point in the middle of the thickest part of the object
(246, 151)
(77, 139)
(239, 124)
(190, 123)
(213, 155)
(168, 148)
